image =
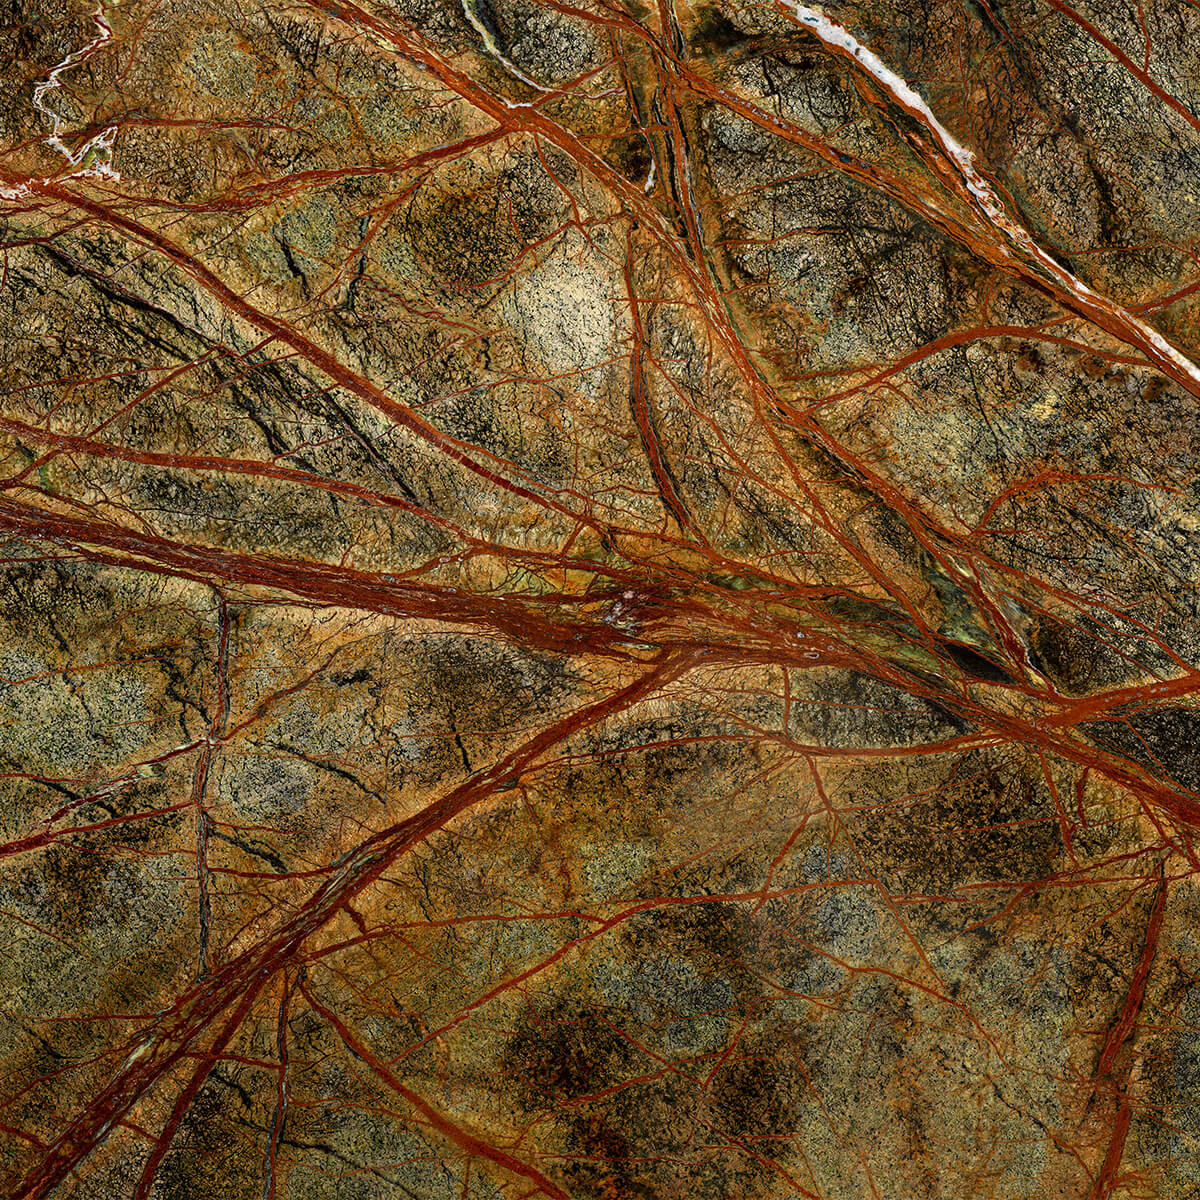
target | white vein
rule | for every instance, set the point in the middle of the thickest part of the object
(91, 160)
(489, 44)
(840, 39)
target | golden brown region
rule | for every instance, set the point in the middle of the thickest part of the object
(599, 599)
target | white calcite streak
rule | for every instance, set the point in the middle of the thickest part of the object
(489, 44)
(983, 195)
(91, 160)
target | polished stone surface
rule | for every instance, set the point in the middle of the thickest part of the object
(598, 599)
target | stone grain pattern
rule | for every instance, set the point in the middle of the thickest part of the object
(598, 599)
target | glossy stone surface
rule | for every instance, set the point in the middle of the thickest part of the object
(599, 600)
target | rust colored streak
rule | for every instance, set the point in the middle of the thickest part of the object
(530, 120)
(979, 232)
(270, 1179)
(747, 640)
(156, 1051)
(214, 463)
(280, 331)
(312, 581)
(913, 548)
(1106, 1181)
(643, 416)
(1117, 1039)
(455, 1134)
(188, 1093)
(984, 241)
(1141, 74)
(1002, 240)
(1121, 1029)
